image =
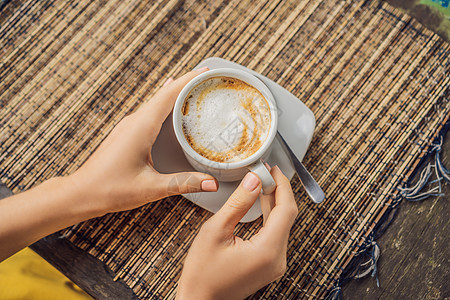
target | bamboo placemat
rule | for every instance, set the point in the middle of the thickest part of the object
(374, 78)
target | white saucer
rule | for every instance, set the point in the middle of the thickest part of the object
(296, 123)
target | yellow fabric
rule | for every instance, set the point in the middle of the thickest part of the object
(26, 275)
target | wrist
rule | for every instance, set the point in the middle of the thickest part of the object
(78, 197)
(196, 296)
(195, 291)
(46, 208)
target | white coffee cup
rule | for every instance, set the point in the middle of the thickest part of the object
(230, 171)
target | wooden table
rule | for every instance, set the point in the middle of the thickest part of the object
(414, 251)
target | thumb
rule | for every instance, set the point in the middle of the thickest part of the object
(239, 202)
(189, 182)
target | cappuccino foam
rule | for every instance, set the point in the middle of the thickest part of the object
(225, 119)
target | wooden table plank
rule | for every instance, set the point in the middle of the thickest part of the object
(90, 274)
(414, 257)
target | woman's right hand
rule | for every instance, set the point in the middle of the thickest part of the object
(220, 265)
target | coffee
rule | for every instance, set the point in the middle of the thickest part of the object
(225, 119)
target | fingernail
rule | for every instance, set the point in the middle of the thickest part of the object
(267, 166)
(203, 69)
(250, 182)
(209, 185)
(169, 81)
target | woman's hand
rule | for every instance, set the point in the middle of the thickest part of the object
(120, 174)
(220, 265)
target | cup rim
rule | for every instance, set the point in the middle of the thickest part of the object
(247, 78)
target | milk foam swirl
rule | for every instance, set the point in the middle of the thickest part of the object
(225, 119)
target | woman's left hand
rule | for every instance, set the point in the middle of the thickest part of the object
(120, 175)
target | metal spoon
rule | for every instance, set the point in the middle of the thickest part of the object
(311, 186)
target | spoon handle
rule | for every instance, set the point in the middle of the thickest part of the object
(313, 189)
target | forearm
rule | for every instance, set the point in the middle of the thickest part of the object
(40, 211)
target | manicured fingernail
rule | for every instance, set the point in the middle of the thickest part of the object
(250, 182)
(209, 185)
(169, 81)
(203, 69)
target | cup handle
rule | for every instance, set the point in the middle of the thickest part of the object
(268, 184)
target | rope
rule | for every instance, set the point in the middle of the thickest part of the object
(365, 262)
(415, 193)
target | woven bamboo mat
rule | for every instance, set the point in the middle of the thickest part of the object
(374, 78)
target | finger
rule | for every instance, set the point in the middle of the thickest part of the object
(238, 204)
(267, 201)
(267, 204)
(188, 182)
(169, 81)
(152, 115)
(283, 215)
(161, 104)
